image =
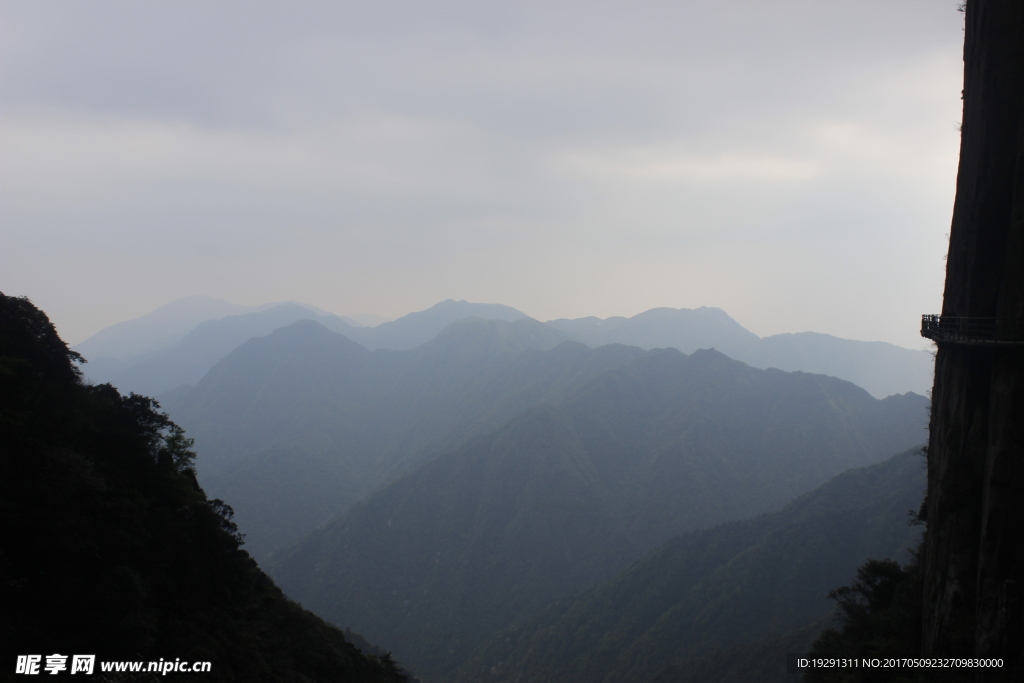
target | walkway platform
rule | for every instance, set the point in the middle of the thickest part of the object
(960, 331)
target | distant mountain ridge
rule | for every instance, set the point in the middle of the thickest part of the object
(156, 330)
(685, 329)
(573, 488)
(164, 326)
(461, 468)
(186, 358)
(174, 356)
(883, 369)
(417, 328)
(304, 399)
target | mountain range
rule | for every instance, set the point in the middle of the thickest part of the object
(881, 368)
(180, 342)
(440, 479)
(569, 491)
(307, 400)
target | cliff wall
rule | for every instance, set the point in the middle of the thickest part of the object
(973, 557)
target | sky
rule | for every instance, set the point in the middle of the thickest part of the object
(791, 162)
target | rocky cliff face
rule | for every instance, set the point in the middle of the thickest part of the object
(974, 548)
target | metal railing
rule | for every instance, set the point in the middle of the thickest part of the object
(973, 331)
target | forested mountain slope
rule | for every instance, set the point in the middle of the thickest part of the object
(109, 547)
(572, 490)
(718, 588)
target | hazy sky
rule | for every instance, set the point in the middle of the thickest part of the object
(791, 162)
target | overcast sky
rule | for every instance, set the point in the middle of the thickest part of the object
(792, 162)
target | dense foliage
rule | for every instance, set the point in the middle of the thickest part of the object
(109, 547)
(881, 618)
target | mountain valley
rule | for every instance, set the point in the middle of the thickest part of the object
(450, 483)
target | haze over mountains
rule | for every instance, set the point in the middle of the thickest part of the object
(883, 369)
(180, 342)
(572, 490)
(307, 397)
(716, 588)
(452, 483)
(157, 330)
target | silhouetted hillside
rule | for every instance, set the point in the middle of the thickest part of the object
(726, 587)
(109, 547)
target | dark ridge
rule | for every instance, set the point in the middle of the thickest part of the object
(109, 547)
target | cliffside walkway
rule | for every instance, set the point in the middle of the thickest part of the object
(945, 329)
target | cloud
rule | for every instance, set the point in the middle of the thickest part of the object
(403, 144)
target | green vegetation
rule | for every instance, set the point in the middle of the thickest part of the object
(109, 547)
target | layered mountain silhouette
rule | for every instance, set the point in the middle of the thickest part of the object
(881, 368)
(414, 329)
(665, 328)
(307, 421)
(449, 482)
(156, 331)
(186, 358)
(160, 352)
(191, 357)
(732, 586)
(108, 545)
(574, 488)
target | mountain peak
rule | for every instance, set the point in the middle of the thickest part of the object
(414, 329)
(478, 338)
(156, 330)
